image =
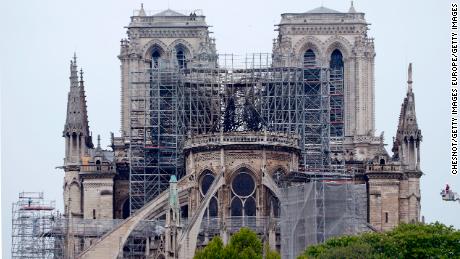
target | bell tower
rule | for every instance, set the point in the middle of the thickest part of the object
(155, 39)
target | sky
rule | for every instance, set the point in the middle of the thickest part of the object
(39, 38)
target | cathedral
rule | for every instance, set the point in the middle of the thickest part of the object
(206, 147)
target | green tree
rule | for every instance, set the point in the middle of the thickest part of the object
(244, 244)
(405, 241)
(213, 250)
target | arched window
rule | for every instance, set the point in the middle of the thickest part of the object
(98, 165)
(250, 207)
(337, 94)
(243, 185)
(207, 178)
(181, 59)
(94, 213)
(213, 207)
(155, 58)
(309, 58)
(236, 207)
(336, 60)
(243, 195)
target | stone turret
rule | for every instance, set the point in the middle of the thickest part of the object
(77, 141)
(406, 145)
(76, 128)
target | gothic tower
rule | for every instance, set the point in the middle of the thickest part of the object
(406, 149)
(77, 141)
(337, 40)
(157, 38)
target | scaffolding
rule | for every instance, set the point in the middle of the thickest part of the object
(314, 211)
(32, 223)
(154, 134)
(169, 103)
(337, 129)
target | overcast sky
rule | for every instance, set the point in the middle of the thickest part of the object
(40, 36)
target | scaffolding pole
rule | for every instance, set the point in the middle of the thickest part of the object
(32, 224)
(170, 103)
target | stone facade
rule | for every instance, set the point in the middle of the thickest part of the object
(239, 155)
(323, 31)
(90, 172)
(96, 184)
(165, 34)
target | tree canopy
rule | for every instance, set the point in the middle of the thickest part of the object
(243, 244)
(405, 241)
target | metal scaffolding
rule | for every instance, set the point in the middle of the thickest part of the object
(316, 211)
(337, 129)
(32, 224)
(154, 134)
(169, 103)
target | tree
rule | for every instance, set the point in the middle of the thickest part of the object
(213, 250)
(244, 244)
(405, 241)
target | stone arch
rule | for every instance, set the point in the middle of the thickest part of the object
(200, 179)
(240, 167)
(243, 191)
(204, 169)
(340, 43)
(189, 51)
(152, 45)
(309, 42)
(74, 181)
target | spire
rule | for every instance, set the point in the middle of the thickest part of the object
(407, 117)
(77, 118)
(408, 129)
(409, 78)
(352, 8)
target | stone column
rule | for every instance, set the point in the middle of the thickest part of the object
(418, 155)
(71, 148)
(67, 143)
(77, 151)
(371, 111)
(349, 96)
